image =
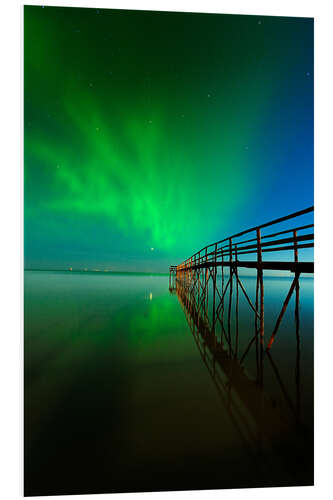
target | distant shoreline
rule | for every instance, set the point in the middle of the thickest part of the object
(99, 271)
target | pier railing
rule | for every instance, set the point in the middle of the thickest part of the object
(253, 242)
(286, 236)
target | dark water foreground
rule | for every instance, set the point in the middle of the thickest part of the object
(120, 395)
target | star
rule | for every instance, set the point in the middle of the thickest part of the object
(259, 22)
(152, 249)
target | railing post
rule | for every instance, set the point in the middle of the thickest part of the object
(199, 284)
(186, 271)
(191, 269)
(206, 281)
(295, 246)
(222, 281)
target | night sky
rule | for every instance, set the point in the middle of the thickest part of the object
(148, 135)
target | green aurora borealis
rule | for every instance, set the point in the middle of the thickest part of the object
(160, 131)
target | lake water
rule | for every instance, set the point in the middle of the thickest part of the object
(120, 394)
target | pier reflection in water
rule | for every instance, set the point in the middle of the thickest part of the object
(261, 391)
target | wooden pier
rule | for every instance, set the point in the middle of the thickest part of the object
(286, 236)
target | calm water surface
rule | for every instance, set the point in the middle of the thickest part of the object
(119, 396)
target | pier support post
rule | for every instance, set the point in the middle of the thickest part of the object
(230, 292)
(214, 286)
(261, 284)
(237, 301)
